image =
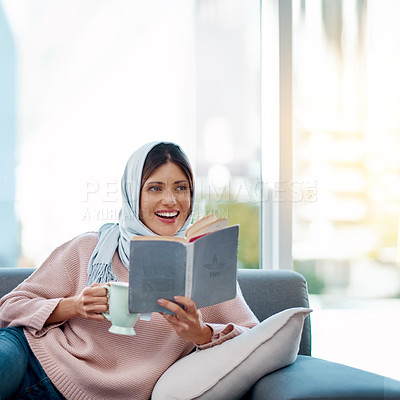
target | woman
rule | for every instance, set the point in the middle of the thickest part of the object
(56, 340)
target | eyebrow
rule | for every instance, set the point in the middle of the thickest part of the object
(154, 182)
(162, 183)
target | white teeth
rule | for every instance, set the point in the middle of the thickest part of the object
(167, 214)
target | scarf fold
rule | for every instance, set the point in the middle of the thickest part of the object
(99, 267)
(112, 237)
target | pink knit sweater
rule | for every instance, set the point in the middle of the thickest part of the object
(80, 356)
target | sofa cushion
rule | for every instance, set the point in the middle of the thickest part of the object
(313, 378)
(227, 371)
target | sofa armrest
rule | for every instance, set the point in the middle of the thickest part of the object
(268, 292)
(12, 277)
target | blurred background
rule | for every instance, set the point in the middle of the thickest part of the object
(84, 83)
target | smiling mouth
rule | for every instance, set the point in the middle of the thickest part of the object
(167, 215)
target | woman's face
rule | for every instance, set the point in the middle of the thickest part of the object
(165, 200)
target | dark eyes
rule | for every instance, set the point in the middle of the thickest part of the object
(154, 189)
(157, 188)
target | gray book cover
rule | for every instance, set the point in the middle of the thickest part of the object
(204, 270)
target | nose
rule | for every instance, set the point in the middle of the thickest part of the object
(169, 198)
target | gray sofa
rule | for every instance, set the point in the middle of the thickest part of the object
(268, 292)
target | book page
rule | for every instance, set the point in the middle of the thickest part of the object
(207, 228)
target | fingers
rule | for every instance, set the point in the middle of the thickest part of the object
(187, 322)
(94, 296)
(96, 316)
(182, 318)
(189, 306)
(94, 302)
(97, 289)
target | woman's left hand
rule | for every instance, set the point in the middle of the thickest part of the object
(187, 322)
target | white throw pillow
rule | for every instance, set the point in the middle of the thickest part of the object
(228, 370)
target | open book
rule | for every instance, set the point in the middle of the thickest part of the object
(201, 266)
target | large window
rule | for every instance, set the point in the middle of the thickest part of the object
(346, 139)
(89, 81)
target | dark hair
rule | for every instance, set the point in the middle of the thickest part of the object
(164, 153)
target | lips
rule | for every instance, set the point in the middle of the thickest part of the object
(167, 216)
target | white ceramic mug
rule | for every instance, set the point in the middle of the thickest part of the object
(122, 321)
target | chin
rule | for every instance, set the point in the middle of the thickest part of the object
(165, 230)
(169, 232)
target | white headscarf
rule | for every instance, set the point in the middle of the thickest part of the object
(118, 236)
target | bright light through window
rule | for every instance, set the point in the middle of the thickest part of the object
(96, 79)
(347, 140)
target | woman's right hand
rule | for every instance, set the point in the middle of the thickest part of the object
(90, 304)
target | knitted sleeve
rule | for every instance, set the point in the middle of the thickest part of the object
(31, 303)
